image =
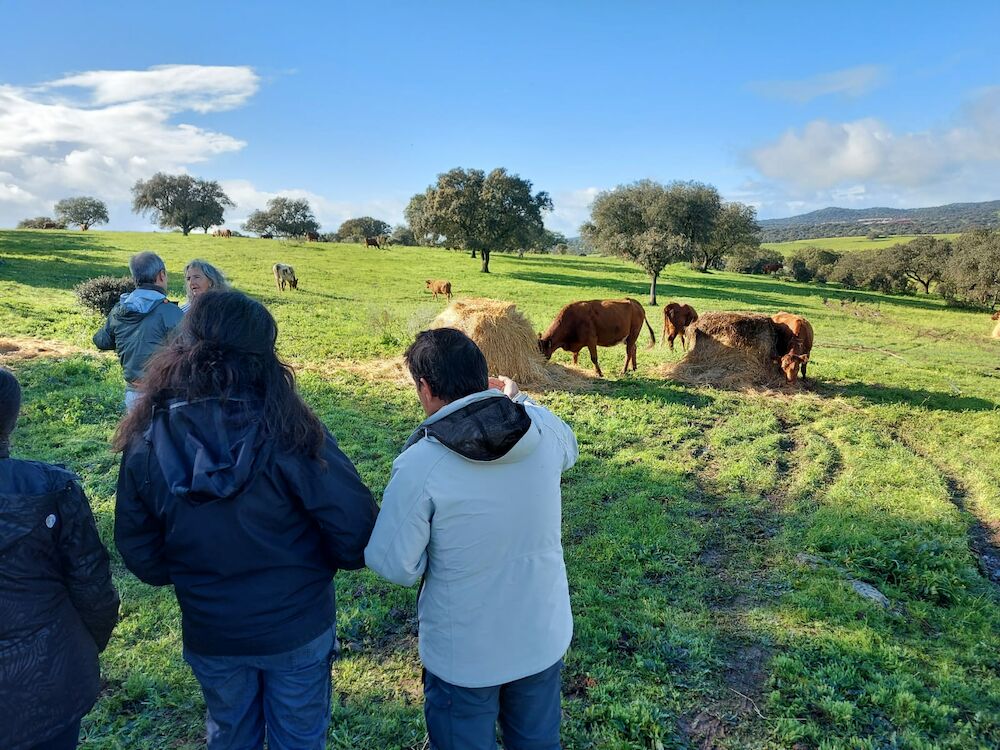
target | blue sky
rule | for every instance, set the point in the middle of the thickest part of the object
(789, 106)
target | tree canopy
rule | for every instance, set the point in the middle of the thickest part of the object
(923, 260)
(180, 201)
(283, 217)
(355, 230)
(83, 211)
(736, 228)
(480, 212)
(973, 274)
(653, 224)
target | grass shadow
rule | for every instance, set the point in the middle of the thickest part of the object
(882, 394)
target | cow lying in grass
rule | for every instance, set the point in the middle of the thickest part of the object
(676, 318)
(439, 287)
(285, 274)
(795, 339)
(594, 323)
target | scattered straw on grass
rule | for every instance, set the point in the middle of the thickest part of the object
(730, 350)
(16, 348)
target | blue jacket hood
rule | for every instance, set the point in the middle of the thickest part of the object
(209, 449)
(142, 300)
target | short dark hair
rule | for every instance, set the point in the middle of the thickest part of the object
(450, 362)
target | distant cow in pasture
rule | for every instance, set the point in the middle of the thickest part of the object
(439, 287)
(372, 242)
(384, 241)
(312, 237)
(222, 232)
(996, 328)
(772, 268)
(594, 323)
(285, 274)
(267, 236)
(676, 318)
(794, 342)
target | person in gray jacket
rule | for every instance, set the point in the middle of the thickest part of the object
(474, 506)
(141, 320)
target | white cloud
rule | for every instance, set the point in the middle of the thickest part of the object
(571, 209)
(119, 130)
(202, 88)
(853, 82)
(867, 161)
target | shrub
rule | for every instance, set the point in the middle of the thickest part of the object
(102, 293)
(812, 264)
(749, 259)
(41, 222)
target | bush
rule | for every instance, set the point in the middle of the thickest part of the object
(972, 277)
(876, 270)
(748, 259)
(41, 222)
(102, 293)
(812, 264)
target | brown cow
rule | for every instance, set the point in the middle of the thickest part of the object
(772, 267)
(598, 322)
(795, 342)
(439, 287)
(312, 237)
(676, 318)
(996, 328)
(372, 242)
(285, 274)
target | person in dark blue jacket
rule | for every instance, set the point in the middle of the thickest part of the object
(57, 603)
(232, 490)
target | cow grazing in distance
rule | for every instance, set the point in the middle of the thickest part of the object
(267, 236)
(599, 322)
(384, 241)
(372, 242)
(793, 344)
(676, 318)
(439, 287)
(996, 328)
(772, 268)
(285, 274)
(312, 237)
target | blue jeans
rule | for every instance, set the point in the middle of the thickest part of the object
(288, 695)
(528, 709)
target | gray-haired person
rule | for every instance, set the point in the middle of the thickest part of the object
(141, 320)
(200, 276)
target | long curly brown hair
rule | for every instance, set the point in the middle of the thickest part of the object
(225, 348)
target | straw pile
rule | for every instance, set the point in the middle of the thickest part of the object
(731, 350)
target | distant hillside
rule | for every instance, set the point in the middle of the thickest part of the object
(854, 222)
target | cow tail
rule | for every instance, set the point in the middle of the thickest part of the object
(651, 334)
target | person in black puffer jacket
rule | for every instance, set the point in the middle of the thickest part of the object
(57, 604)
(233, 491)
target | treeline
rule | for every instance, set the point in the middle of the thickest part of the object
(964, 272)
(846, 222)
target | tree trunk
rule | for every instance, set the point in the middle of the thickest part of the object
(84, 227)
(652, 289)
(486, 261)
(185, 231)
(473, 253)
(927, 286)
(704, 265)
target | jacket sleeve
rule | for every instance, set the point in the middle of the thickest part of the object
(139, 534)
(340, 504)
(104, 339)
(86, 568)
(397, 550)
(560, 430)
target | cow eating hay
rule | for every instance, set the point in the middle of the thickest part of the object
(732, 350)
(506, 339)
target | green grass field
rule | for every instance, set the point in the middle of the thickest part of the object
(711, 537)
(849, 244)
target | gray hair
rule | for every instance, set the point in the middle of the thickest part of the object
(210, 272)
(145, 267)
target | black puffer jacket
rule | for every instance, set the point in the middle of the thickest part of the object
(249, 535)
(57, 603)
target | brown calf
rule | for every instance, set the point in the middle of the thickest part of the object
(598, 322)
(285, 274)
(772, 267)
(439, 287)
(794, 343)
(676, 318)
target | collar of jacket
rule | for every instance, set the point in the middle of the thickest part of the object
(152, 288)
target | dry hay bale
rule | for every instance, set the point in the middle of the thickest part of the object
(732, 350)
(506, 339)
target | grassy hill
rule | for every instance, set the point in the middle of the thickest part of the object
(848, 244)
(713, 539)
